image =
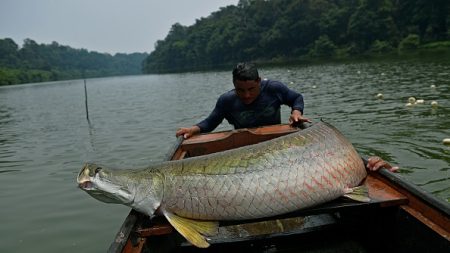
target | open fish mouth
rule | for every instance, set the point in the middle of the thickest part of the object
(86, 185)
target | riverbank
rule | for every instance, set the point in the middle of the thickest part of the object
(430, 51)
(435, 51)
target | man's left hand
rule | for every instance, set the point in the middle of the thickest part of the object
(374, 163)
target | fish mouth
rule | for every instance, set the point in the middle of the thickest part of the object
(86, 185)
(84, 179)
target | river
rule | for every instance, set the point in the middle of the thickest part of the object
(45, 136)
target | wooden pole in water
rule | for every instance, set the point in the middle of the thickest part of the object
(86, 101)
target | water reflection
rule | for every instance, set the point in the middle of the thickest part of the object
(8, 171)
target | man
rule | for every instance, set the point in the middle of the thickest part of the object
(254, 102)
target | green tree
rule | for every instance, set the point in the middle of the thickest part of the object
(8, 53)
(381, 47)
(35, 62)
(264, 30)
(323, 47)
(371, 21)
(412, 41)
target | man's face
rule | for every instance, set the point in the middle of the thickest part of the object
(247, 91)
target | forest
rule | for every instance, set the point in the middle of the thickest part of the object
(269, 31)
(35, 62)
(263, 31)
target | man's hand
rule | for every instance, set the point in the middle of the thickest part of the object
(187, 132)
(297, 117)
(374, 163)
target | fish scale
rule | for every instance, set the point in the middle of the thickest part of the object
(280, 168)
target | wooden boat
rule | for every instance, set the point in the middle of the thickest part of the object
(400, 218)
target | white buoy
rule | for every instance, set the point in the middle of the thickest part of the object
(420, 101)
(412, 100)
(379, 95)
(314, 86)
(434, 104)
(433, 86)
(446, 141)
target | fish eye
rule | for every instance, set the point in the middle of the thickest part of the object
(98, 169)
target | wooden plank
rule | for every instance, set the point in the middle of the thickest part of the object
(274, 130)
(160, 229)
(220, 141)
(382, 193)
(136, 247)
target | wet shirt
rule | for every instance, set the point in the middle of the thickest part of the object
(265, 110)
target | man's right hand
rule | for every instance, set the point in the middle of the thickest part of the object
(297, 118)
(187, 132)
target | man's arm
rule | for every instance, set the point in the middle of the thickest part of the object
(291, 97)
(211, 122)
(295, 101)
(207, 125)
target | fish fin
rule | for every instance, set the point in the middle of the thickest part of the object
(193, 230)
(358, 193)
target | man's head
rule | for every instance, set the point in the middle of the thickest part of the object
(246, 82)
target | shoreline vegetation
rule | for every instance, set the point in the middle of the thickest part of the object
(268, 32)
(276, 31)
(33, 63)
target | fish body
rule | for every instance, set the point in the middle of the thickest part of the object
(289, 173)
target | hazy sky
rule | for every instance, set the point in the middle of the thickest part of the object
(110, 26)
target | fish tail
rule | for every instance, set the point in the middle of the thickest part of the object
(358, 193)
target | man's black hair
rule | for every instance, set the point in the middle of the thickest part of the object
(245, 71)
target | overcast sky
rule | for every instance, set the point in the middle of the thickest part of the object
(107, 26)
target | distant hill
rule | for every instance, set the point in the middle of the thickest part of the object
(51, 62)
(289, 30)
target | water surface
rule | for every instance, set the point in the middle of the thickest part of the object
(45, 137)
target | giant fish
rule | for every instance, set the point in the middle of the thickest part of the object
(292, 172)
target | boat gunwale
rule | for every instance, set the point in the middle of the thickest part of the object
(415, 190)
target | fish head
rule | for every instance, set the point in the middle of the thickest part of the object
(104, 184)
(139, 189)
